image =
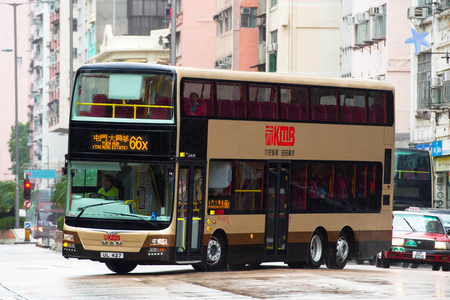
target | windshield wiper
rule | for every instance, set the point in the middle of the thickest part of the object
(92, 205)
(412, 228)
(129, 215)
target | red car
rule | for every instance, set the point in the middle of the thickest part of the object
(418, 238)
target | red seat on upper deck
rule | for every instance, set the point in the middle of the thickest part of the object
(161, 112)
(226, 108)
(255, 110)
(98, 110)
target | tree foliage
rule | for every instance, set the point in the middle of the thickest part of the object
(24, 151)
(7, 195)
(59, 191)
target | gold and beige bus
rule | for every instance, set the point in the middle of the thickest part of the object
(219, 169)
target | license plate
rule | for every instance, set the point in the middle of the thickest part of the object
(111, 255)
(419, 255)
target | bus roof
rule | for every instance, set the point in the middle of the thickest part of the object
(245, 75)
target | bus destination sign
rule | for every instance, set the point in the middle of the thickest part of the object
(119, 142)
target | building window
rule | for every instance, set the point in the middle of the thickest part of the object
(379, 24)
(273, 3)
(145, 16)
(362, 33)
(224, 22)
(248, 17)
(423, 80)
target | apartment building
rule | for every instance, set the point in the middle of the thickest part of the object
(430, 88)
(7, 79)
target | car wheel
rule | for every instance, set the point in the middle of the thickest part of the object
(120, 266)
(338, 255)
(385, 263)
(216, 254)
(315, 251)
(446, 267)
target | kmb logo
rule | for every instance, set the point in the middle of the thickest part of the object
(280, 135)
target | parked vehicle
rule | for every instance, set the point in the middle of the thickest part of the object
(418, 237)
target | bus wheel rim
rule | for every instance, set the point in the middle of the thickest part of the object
(214, 251)
(316, 248)
(341, 249)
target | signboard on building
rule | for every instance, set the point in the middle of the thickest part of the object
(443, 164)
(441, 148)
(423, 147)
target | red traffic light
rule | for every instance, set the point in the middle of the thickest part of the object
(27, 185)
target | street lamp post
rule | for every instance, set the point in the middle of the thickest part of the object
(14, 5)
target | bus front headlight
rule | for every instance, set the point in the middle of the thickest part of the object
(68, 237)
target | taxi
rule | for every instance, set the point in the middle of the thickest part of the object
(418, 237)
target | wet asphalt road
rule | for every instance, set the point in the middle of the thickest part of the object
(30, 272)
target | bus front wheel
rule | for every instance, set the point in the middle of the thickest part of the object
(120, 266)
(216, 254)
(316, 251)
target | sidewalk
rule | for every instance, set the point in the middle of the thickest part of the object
(15, 236)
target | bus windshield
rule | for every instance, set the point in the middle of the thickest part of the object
(112, 97)
(121, 191)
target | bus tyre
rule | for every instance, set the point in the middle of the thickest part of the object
(446, 267)
(315, 251)
(216, 254)
(338, 255)
(120, 266)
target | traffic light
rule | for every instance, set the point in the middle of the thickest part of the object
(26, 189)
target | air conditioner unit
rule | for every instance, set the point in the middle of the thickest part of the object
(224, 14)
(375, 11)
(364, 16)
(245, 10)
(227, 60)
(436, 82)
(352, 20)
(261, 21)
(272, 48)
(417, 13)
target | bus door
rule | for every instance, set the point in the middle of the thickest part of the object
(277, 213)
(190, 203)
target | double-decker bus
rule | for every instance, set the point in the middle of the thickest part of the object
(220, 169)
(413, 178)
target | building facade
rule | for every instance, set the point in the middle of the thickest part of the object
(7, 79)
(430, 89)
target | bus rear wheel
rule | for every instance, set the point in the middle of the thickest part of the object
(338, 255)
(216, 254)
(120, 266)
(315, 251)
